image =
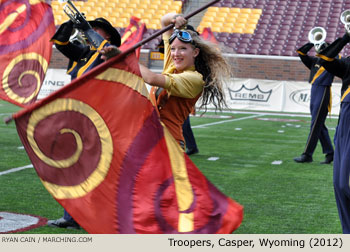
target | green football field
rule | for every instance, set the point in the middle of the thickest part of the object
(248, 156)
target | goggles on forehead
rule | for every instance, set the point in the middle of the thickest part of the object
(182, 35)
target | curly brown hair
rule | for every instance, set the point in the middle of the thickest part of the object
(215, 69)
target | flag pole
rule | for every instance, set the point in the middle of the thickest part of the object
(100, 68)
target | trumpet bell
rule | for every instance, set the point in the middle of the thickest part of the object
(317, 35)
(345, 17)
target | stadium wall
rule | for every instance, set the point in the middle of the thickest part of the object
(246, 66)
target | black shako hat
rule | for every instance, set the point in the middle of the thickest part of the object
(105, 25)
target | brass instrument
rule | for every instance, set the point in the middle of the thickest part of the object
(345, 19)
(317, 36)
(77, 36)
(75, 16)
(73, 13)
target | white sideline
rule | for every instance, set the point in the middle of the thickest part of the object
(225, 121)
(16, 169)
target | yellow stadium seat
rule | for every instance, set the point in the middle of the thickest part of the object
(237, 30)
(179, 3)
(113, 20)
(210, 14)
(241, 19)
(221, 14)
(239, 25)
(254, 16)
(157, 16)
(235, 10)
(246, 10)
(208, 18)
(257, 11)
(226, 24)
(142, 6)
(226, 29)
(111, 4)
(243, 15)
(250, 26)
(174, 8)
(230, 20)
(123, 1)
(215, 29)
(155, 2)
(153, 26)
(213, 9)
(205, 24)
(55, 6)
(100, 4)
(224, 10)
(138, 11)
(129, 10)
(147, 15)
(151, 11)
(122, 5)
(162, 12)
(250, 31)
(114, 14)
(163, 7)
(97, 8)
(232, 14)
(132, 6)
(135, 1)
(219, 19)
(89, 3)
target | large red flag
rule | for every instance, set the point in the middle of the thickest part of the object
(26, 27)
(133, 34)
(100, 149)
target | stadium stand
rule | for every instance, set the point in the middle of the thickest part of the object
(271, 27)
(245, 28)
(258, 27)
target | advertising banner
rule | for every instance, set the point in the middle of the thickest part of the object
(276, 96)
(54, 80)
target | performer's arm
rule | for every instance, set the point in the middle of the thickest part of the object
(306, 59)
(61, 39)
(330, 57)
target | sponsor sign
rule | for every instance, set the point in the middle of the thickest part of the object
(54, 80)
(276, 96)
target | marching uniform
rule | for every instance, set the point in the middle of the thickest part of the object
(181, 92)
(341, 177)
(83, 57)
(321, 81)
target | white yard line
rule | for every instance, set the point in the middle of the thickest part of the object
(16, 169)
(226, 121)
(256, 114)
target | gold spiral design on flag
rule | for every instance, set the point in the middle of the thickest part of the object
(100, 172)
(12, 64)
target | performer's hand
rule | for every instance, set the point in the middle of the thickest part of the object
(109, 52)
(83, 24)
(179, 21)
